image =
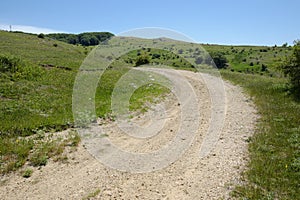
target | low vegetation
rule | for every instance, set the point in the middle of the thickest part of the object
(27, 173)
(274, 170)
(274, 167)
(291, 67)
(34, 151)
(155, 56)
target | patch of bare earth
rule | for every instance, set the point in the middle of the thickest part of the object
(189, 177)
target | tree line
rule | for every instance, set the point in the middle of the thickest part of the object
(85, 39)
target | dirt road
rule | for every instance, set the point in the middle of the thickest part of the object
(191, 172)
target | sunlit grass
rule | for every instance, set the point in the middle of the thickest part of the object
(274, 167)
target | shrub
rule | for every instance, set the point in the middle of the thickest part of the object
(264, 68)
(155, 56)
(17, 69)
(41, 35)
(219, 59)
(141, 60)
(291, 67)
(9, 63)
(285, 45)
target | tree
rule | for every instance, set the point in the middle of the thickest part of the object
(94, 40)
(85, 40)
(72, 39)
(291, 67)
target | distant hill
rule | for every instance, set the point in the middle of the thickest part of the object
(85, 39)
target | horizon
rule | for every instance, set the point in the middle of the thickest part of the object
(196, 42)
(232, 22)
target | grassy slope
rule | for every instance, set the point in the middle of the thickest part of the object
(274, 168)
(36, 104)
(44, 102)
(240, 57)
(41, 51)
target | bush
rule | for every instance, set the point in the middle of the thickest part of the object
(264, 68)
(291, 67)
(155, 56)
(285, 45)
(17, 69)
(9, 63)
(219, 59)
(142, 60)
(180, 51)
(41, 35)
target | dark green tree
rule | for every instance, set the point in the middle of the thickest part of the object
(72, 39)
(85, 40)
(94, 40)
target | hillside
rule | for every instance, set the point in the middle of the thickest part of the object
(36, 85)
(29, 103)
(252, 59)
(35, 50)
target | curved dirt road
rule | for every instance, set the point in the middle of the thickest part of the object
(188, 177)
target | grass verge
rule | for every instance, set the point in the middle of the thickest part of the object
(274, 167)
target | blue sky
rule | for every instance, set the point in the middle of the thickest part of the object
(262, 22)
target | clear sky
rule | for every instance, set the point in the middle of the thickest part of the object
(262, 22)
